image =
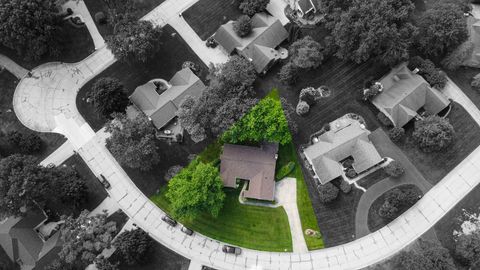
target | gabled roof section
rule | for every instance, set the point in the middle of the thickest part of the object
(259, 46)
(405, 93)
(347, 138)
(256, 164)
(161, 108)
(21, 242)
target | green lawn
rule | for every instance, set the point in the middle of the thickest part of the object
(255, 227)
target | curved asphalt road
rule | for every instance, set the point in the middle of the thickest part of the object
(46, 103)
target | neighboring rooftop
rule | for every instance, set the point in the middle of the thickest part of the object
(24, 245)
(405, 93)
(255, 164)
(259, 46)
(162, 108)
(346, 138)
(305, 7)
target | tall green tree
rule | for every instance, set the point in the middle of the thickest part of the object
(133, 246)
(29, 27)
(306, 53)
(375, 29)
(109, 96)
(265, 122)
(84, 238)
(433, 133)
(133, 142)
(134, 40)
(250, 7)
(441, 29)
(196, 189)
(429, 256)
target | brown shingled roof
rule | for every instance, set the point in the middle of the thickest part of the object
(256, 164)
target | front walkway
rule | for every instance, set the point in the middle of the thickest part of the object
(79, 8)
(13, 67)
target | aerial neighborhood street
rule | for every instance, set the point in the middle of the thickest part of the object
(239, 134)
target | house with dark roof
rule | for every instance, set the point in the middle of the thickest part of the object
(255, 165)
(260, 45)
(161, 108)
(347, 138)
(29, 243)
(406, 93)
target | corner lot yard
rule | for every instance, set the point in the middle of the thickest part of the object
(206, 16)
(9, 121)
(76, 44)
(256, 227)
(173, 52)
(434, 166)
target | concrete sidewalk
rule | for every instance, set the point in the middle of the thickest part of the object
(12, 67)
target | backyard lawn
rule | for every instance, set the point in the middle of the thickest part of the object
(173, 52)
(206, 16)
(76, 44)
(9, 121)
(434, 166)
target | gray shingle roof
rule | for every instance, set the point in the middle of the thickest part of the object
(405, 93)
(163, 108)
(346, 138)
(267, 33)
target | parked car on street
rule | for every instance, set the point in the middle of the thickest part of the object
(170, 221)
(104, 181)
(231, 250)
(187, 231)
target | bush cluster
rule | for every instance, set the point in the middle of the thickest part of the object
(433, 75)
(396, 134)
(394, 169)
(27, 143)
(302, 108)
(285, 170)
(433, 133)
(328, 192)
(396, 199)
(345, 187)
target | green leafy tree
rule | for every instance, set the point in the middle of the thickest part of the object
(394, 169)
(195, 190)
(327, 192)
(134, 40)
(133, 142)
(133, 245)
(429, 256)
(441, 29)
(84, 238)
(265, 122)
(27, 143)
(109, 96)
(22, 183)
(104, 264)
(29, 27)
(229, 95)
(71, 188)
(332, 10)
(433, 133)
(467, 247)
(242, 26)
(288, 74)
(306, 53)
(250, 7)
(375, 29)
(396, 134)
